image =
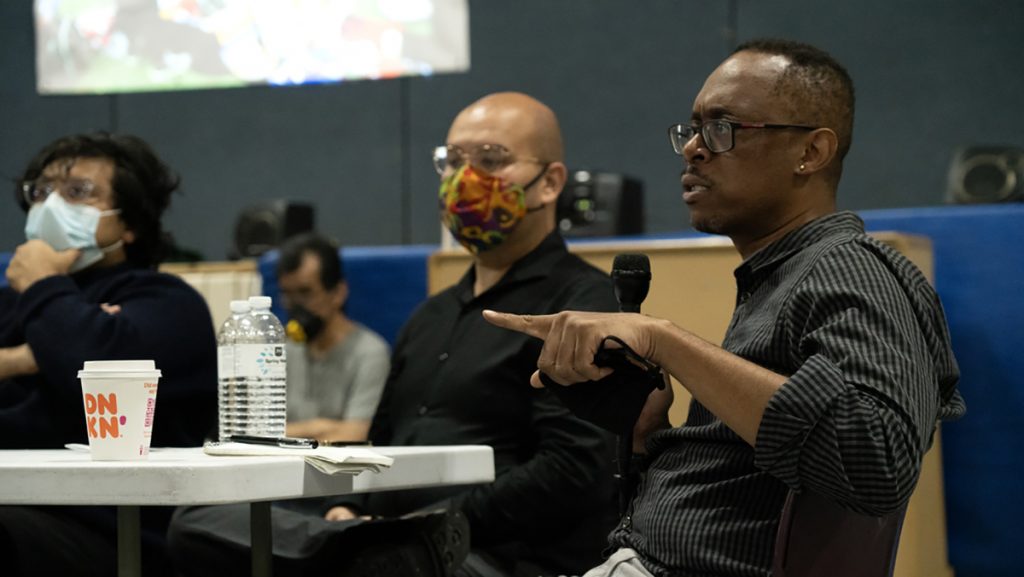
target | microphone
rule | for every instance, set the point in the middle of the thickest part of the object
(615, 402)
(631, 275)
(631, 279)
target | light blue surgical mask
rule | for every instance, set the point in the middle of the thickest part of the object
(64, 225)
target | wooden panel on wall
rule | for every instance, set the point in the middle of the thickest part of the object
(219, 283)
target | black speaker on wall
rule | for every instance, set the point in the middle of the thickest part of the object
(265, 225)
(980, 174)
(597, 203)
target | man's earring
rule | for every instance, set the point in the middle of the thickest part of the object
(801, 167)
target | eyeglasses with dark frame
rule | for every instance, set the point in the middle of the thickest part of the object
(73, 190)
(489, 157)
(719, 134)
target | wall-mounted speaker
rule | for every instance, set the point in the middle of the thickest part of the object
(600, 204)
(986, 174)
(264, 226)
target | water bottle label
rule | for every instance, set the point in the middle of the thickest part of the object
(260, 361)
(226, 362)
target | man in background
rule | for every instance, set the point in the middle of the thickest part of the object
(455, 379)
(837, 363)
(83, 287)
(336, 366)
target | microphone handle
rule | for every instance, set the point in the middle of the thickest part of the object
(624, 450)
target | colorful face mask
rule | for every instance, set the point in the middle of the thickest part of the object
(480, 209)
(63, 225)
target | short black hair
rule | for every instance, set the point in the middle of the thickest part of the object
(818, 86)
(142, 185)
(295, 248)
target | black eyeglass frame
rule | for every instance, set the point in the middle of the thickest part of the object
(73, 190)
(679, 134)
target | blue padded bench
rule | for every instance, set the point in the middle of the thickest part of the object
(386, 283)
(5, 259)
(979, 274)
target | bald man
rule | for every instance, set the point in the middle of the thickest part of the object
(837, 363)
(455, 379)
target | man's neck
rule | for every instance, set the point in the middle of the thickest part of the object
(338, 328)
(747, 247)
(491, 266)
(112, 258)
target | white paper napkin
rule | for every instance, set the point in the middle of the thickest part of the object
(329, 460)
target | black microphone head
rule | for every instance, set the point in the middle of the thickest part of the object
(631, 275)
(631, 264)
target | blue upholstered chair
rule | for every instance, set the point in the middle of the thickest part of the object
(5, 259)
(386, 283)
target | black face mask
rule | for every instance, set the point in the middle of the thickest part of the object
(303, 326)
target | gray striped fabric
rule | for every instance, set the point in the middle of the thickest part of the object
(863, 339)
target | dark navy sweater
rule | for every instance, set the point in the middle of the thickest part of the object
(161, 318)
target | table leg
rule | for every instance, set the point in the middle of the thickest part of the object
(261, 538)
(129, 542)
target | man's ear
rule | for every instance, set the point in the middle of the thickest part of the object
(820, 147)
(339, 295)
(553, 182)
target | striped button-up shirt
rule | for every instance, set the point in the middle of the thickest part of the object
(862, 338)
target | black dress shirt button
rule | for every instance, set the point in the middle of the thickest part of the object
(422, 410)
(442, 357)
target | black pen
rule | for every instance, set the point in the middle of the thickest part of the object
(287, 442)
(346, 444)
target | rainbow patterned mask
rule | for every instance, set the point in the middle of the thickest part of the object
(480, 209)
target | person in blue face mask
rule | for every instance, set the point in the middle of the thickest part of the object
(83, 286)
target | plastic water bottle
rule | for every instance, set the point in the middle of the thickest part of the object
(261, 362)
(228, 389)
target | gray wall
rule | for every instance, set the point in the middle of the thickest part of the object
(931, 75)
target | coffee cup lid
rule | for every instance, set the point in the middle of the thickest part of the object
(146, 368)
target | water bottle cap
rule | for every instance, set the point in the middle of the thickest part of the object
(260, 302)
(240, 306)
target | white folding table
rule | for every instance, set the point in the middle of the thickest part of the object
(190, 477)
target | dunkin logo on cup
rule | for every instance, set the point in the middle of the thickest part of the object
(119, 398)
(101, 416)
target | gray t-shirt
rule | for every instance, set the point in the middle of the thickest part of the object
(346, 384)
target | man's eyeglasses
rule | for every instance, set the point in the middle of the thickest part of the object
(489, 157)
(719, 135)
(73, 190)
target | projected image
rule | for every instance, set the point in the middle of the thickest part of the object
(104, 46)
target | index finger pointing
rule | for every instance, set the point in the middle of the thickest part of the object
(533, 325)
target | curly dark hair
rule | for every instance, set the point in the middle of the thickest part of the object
(142, 185)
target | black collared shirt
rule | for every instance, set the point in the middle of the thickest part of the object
(863, 339)
(456, 379)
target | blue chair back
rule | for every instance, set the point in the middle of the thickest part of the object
(386, 283)
(5, 259)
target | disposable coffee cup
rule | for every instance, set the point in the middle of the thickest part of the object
(120, 402)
